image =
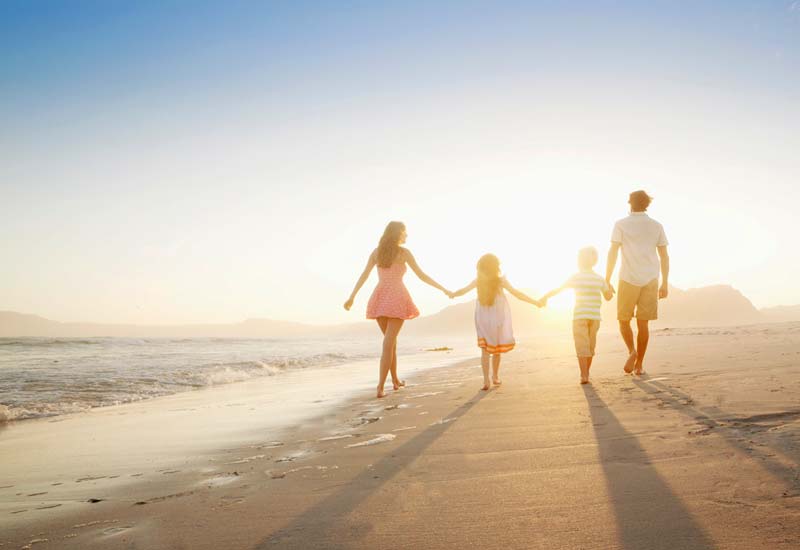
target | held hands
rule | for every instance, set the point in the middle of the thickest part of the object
(663, 292)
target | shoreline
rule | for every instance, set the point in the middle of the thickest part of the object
(52, 459)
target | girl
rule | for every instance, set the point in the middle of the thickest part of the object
(493, 315)
(390, 303)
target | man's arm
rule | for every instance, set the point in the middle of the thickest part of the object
(611, 262)
(663, 292)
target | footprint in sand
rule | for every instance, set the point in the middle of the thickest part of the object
(335, 437)
(247, 459)
(34, 541)
(37, 494)
(380, 438)
(443, 421)
(89, 478)
(111, 531)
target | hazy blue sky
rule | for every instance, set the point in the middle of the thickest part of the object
(187, 161)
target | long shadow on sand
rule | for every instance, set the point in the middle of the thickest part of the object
(734, 429)
(324, 524)
(649, 515)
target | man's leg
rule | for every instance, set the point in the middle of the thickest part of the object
(627, 297)
(627, 335)
(642, 338)
(646, 311)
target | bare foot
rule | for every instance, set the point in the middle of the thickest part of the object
(497, 381)
(399, 384)
(486, 386)
(584, 380)
(638, 370)
(630, 362)
(381, 393)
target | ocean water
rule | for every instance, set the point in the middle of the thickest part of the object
(42, 377)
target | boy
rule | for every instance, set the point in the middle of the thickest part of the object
(588, 286)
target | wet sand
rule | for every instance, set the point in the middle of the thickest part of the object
(701, 452)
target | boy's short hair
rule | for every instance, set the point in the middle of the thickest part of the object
(587, 257)
(639, 200)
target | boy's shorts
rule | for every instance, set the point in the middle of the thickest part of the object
(584, 332)
(642, 299)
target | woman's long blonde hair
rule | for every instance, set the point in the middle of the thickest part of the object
(389, 245)
(489, 279)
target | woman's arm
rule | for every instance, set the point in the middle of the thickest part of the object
(520, 295)
(464, 290)
(361, 280)
(421, 274)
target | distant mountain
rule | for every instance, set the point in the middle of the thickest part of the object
(20, 324)
(706, 306)
(781, 314)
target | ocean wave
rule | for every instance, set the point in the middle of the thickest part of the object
(59, 382)
(48, 342)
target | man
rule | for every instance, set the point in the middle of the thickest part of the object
(644, 253)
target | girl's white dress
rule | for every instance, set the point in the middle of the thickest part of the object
(493, 325)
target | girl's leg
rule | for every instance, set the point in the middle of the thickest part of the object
(393, 327)
(496, 369)
(485, 366)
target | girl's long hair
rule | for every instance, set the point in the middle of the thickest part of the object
(489, 279)
(389, 245)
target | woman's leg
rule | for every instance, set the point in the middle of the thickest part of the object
(485, 366)
(396, 382)
(393, 327)
(496, 369)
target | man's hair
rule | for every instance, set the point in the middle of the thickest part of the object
(639, 201)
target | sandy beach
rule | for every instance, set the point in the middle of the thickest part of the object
(702, 452)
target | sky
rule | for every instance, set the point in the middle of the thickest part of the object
(187, 162)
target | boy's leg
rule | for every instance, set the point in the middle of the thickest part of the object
(485, 366)
(594, 326)
(496, 369)
(583, 363)
(581, 335)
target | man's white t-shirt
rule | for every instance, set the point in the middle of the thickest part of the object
(639, 235)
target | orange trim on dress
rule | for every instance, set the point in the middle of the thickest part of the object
(501, 348)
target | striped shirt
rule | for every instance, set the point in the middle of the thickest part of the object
(589, 287)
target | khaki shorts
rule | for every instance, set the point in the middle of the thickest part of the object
(584, 331)
(643, 299)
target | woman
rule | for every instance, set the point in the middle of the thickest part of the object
(390, 303)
